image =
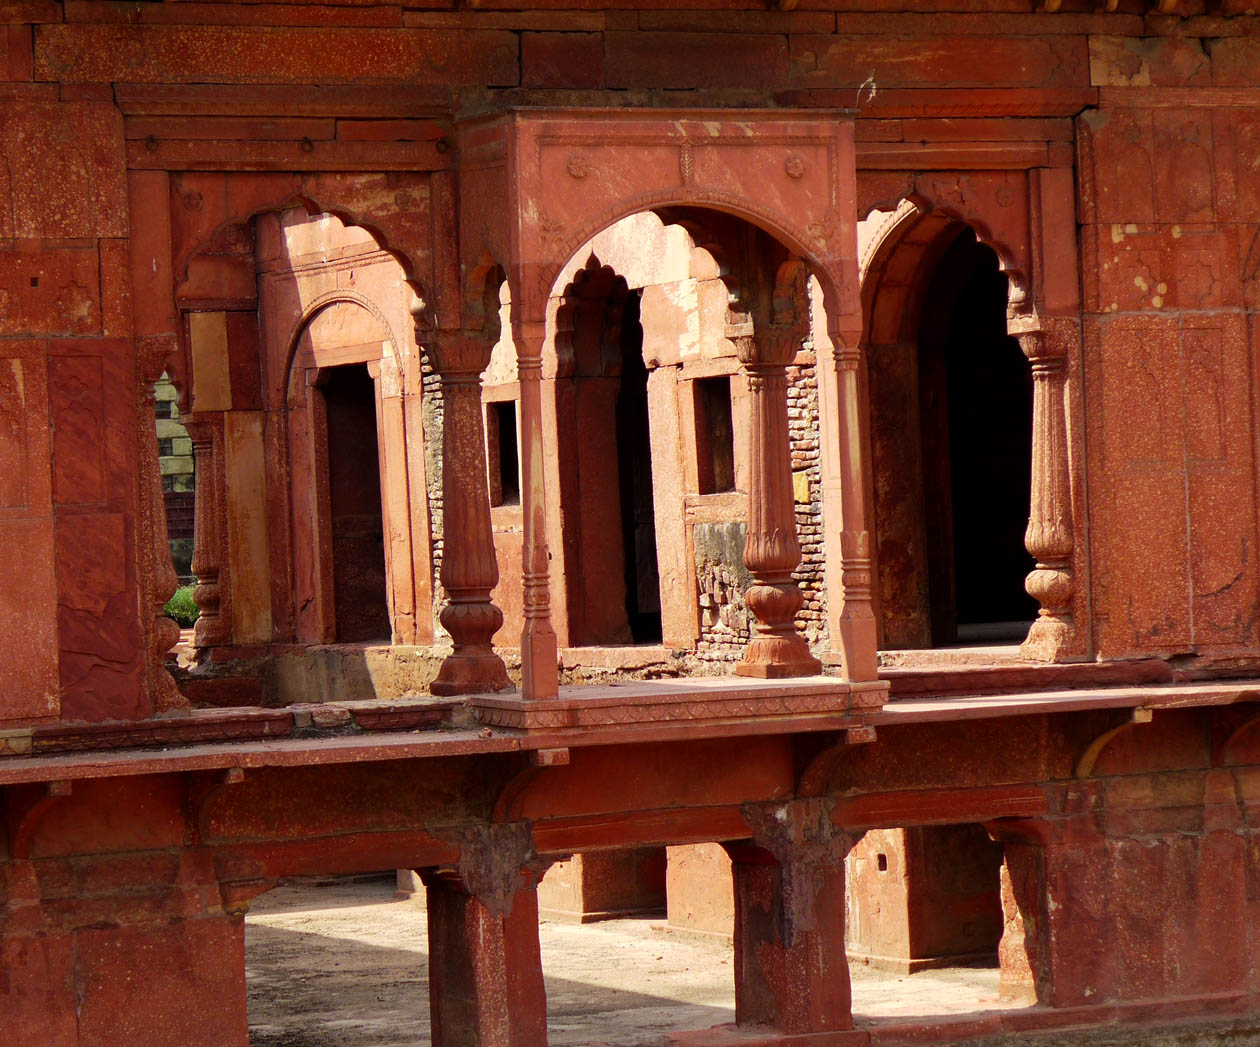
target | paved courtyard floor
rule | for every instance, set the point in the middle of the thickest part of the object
(344, 964)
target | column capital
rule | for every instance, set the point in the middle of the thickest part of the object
(458, 354)
(496, 861)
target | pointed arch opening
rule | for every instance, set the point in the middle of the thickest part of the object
(950, 423)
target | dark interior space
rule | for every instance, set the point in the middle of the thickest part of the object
(975, 395)
(715, 435)
(354, 494)
(503, 456)
(634, 466)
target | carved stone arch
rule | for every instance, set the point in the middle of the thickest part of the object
(326, 301)
(997, 205)
(223, 200)
(596, 294)
(303, 428)
(679, 207)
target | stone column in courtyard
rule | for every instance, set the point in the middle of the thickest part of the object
(791, 971)
(485, 966)
(159, 580)
(214, 623)
(539, 671)
(469, 569)
(772, 551)
(1049, 537)
(854, 619)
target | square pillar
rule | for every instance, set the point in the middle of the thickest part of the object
(791, 969)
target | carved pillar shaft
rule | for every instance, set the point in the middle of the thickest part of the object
(539, 675)
(469, 569)
(856, 641)
(772, 551)
(158, 572)
(1049, 537)
(214, 623)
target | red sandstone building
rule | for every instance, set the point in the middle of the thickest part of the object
(756, 425)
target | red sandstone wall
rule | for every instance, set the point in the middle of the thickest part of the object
(99, 96)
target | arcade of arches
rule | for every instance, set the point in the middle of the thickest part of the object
(574, 482)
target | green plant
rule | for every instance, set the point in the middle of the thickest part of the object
(182, 608)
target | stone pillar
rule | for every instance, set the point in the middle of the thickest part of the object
(485, 967)
(539, 672)
(854, 619)
(214, 624)
(1049, 537)
(772, 551)
(159, 580)
(469, 568)
(791, 971)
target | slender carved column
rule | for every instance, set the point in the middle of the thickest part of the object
(159, 580)
(539, 674)
(1049, 537)
(214, 623)
(469, 569)
(772, 551)
(856, 641)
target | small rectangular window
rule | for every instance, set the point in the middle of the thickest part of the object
(166, 446)
(163, 409)
(501, 453)
(715, 435)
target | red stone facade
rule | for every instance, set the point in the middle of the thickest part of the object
(736, 424)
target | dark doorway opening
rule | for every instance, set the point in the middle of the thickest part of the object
(975, 396)
(360, 605)
(634, 467)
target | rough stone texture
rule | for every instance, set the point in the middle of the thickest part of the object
(1107, 159)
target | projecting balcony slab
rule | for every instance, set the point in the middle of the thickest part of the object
(666, 708)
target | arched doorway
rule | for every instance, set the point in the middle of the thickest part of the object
(951, 443)
(356, 524)
(605, 466)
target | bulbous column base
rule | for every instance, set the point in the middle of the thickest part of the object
(778, 658)
(471, 671)
(776, 651)
(473, 667)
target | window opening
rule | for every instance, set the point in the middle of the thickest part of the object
(503, 457)
(715, 434)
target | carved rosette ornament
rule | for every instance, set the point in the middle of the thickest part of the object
(1049, 537)
(772, 551)
(469, 569)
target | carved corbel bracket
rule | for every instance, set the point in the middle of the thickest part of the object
(801, 838)
(496, 860)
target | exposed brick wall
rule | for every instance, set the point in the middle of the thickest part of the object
(803, 434)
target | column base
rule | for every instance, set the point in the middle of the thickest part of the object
(540, 655)
(778, 658)
(471, 672)
(1051, 640)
